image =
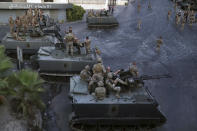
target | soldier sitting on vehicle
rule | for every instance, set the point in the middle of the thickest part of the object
(16, 36)
(111, 84)
(100, 91)
(99, 67)
(86, 74)
(94, 82)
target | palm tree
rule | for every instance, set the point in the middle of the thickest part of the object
(22, 87)
(27, 86)
(5, 66)
(5, 63)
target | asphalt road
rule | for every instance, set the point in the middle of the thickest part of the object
(177, 96)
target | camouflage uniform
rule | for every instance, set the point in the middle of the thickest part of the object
(159, 43)
(191, 18)
(69, 42)
(87, 45)
(133, 69)
(34, 22)
(100, 91)
(25, 23)
(30, 16)
(169, 14)
(178, 19)
(94, 81)
(111, 84)
(99, 68)
(183, 24)
(185, 15)
(11, 24)
(36, 12)
(16, 37)
(86, 74)
(98, 52)
(18, 24)
(40, 12)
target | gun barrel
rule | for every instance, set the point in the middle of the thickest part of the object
(145, 77)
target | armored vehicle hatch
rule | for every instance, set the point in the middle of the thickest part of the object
(54, 61)
(132, 108)
(30, 45)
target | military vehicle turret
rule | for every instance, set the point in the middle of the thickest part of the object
(134, 107)
(101, 20)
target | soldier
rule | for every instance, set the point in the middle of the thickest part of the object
(30, 16)
(86, 74)
(97, 14)
(182, 24)
(36, 12)
(111, 84)
(189, 7)
(18, 24)
(133, 69)
(98, 52)
(185, 15)
(132, 72)
(178, 19)
(69, 38)
(34, 22)
(139, 24)
(100, 91)
(87, 45)
(25, 23)
(94, 81)
(191, 18)
(16, 37)
(99, 68)
(11, 24)
(77, 44)
(138, 7)
(159, 43)
(169, 14)
(40, 12)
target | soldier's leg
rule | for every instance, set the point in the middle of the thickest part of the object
(117, 89)
(91, 86)
(158, 47)
(67, 48)
(117, 80)
(71, 49)
(11, 29)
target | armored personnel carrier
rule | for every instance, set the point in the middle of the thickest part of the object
(46, 33)
(57, 62)
(101, 20)
(135, 106)
(30, 45)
